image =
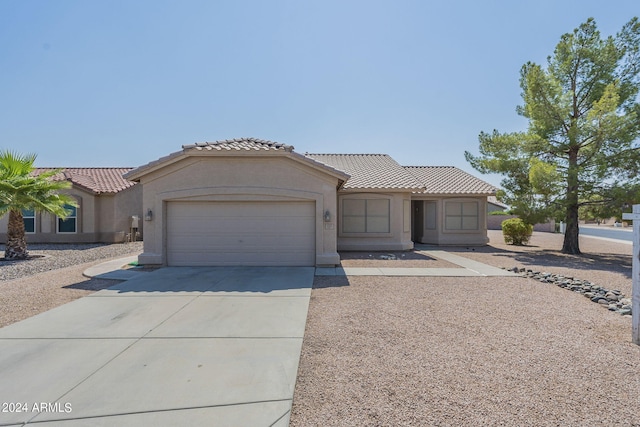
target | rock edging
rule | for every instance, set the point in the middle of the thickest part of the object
(613, 299)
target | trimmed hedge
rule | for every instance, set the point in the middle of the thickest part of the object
(516, 232)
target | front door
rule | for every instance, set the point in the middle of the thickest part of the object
(417, 220)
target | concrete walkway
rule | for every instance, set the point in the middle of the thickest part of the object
(177, 346)
(467, 268)
(113, 270)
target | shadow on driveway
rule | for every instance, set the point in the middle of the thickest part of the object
(219, 280)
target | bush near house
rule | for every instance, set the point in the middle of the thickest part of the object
(516, 232)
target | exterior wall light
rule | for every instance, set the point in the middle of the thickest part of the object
(149, 215)
(327, 216)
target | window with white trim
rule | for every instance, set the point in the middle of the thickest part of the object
(365, 216)
(70, 224)
(461, 216)
(29, 218)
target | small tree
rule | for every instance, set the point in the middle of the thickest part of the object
(21, 189)
(516, 232)
(584, 125)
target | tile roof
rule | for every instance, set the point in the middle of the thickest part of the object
(449, 180)
(239, 144)
(361, 171)
(370, 171)
(95, 180)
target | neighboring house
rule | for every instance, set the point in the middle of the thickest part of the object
(494, 222)
(106, 204)
(254, 202)
(493, 205)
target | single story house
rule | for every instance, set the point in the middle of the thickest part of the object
(254, 202)
(107, 202)
(494, 205)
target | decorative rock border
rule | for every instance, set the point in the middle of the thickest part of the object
(613, 299)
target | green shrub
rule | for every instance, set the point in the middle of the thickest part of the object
(516, 231)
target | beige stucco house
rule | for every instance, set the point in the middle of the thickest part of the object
(106, 204)
(253, 202)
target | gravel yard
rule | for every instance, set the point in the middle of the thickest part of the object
(436, 351)
(603, 262)
(33, 286)
(54, 256)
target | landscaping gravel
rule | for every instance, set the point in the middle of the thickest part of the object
(603, 262)
(33, 286)
(54, 256)
(451, 351)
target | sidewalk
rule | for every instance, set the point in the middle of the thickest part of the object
(112, 270)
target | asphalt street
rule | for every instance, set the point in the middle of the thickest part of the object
(618, 233)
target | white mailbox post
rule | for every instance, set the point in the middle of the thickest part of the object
(635, 293)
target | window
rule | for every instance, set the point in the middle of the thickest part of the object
(29, 218)
(68, 225)
(365, 216)
(461, 216)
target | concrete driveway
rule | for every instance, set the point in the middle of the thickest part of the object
(178, 346)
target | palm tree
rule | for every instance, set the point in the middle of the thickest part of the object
(22, 189)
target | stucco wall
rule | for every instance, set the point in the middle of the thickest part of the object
(115, 212)
(219, 178)
(126, 204)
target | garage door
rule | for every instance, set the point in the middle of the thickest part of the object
(241, 233)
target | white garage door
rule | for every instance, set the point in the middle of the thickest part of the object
(241, 233)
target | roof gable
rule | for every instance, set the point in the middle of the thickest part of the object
(449, 180)
(233, 147)
(370, 171)
(94, 180)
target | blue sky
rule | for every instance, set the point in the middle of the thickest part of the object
(122, 83)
